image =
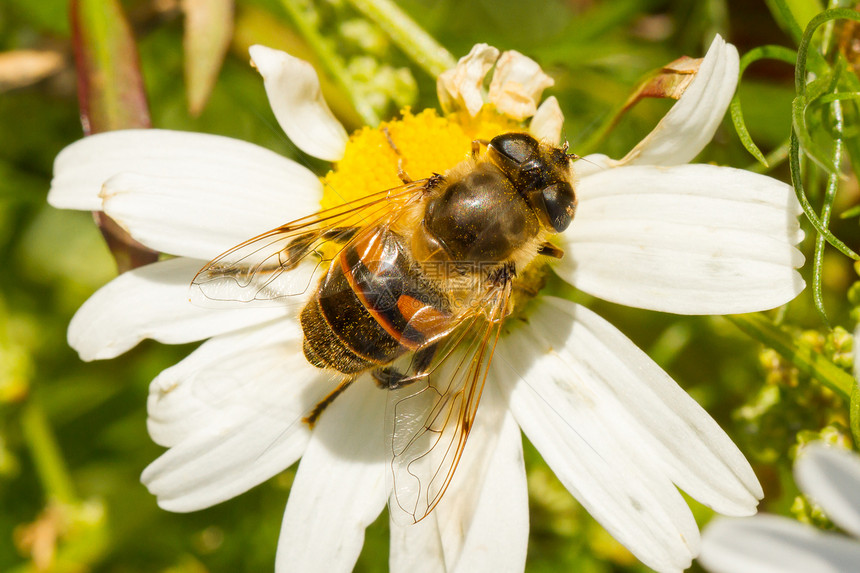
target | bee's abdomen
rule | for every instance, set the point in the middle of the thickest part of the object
(372, 306)
(340, 333)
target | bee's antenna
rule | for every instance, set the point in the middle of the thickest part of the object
(566, 146)
(574, 156)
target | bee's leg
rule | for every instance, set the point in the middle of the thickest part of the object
(400, 171)
(389, 378)
(476, 147)
(550, 250)
(317, 410)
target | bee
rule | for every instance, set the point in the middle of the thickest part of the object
(416, 283)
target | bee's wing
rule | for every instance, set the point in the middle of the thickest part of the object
(260, 269)
(430, 419)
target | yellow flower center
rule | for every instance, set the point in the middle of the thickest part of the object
(427, 142)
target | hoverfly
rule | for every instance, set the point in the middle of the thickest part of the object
(417, 283)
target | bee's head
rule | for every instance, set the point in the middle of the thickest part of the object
(540, 173)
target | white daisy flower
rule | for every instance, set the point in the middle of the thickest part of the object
(650, 232)
(771, 544)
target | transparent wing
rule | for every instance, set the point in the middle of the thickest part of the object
(285, 261)
(429, 420)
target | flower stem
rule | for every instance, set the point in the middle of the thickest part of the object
(802, 355)
(826, 211)
(797, 183)
(854, 414)
(298, 12)
(407, 34)
(47, 458)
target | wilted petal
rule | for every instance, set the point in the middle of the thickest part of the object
(244, 420)
(548, 121)
(152, 302)
(200, 217)
(294, 93)
(82, 168)
(340, 485)
(693, 120)
(517, 85)
(481, 524)
(690, 239)
(770, 544)
(831, 477)
(618, 432)
(461, 86)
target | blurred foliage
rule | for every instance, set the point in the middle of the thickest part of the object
(72, 435)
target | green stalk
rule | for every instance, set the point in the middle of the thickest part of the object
(47, 458)
(802, 100)
(797, 183)
(854, 413)
(826, 212)
(803, 356)
(408, 35)
(329, 60)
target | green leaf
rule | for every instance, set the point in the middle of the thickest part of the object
(110, 86)
(763, 52)
(111, 96)
(208, 30)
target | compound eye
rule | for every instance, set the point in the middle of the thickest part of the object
(517, 148)
(560, 204)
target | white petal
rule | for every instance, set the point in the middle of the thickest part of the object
(693, 120)
(244, 418)
(618, 431)
(201, 218)
(770, 544)
(517, 85)
(548, 121)
(340, 485)
(243, 370)
(831, 477)
(152, 302)
(481, 524)
(690, 239)
(294, 93)
(461, 86)
(81, 169)
(641, 509)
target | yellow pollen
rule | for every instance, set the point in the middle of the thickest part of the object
(427, 142)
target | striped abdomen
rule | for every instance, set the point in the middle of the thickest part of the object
(373, 305)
